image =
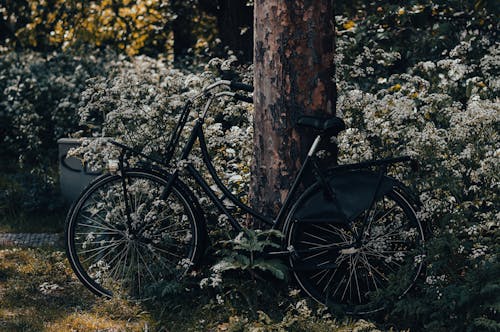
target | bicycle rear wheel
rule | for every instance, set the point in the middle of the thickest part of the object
(359, 278)
(157, 243)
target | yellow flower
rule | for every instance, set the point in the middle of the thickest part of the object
(395, 87)
(401, 11)
(349, 25)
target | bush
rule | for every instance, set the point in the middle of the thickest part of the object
(429, 90)
(139, 103)
(39, 96)
(28, 193)
(443, 110)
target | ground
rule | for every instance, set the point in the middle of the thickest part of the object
(39, 292)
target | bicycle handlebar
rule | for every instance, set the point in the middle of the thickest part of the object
(234, 95)
(233, 85)
(243, 98)
(241, 86)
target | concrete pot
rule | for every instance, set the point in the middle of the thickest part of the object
(73, 176)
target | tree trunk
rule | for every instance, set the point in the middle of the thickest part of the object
(294, 75)
(234, 22)
(234, 25)
(182, 27)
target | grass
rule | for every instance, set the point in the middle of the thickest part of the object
(39, 292)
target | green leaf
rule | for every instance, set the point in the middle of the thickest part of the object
(274, 266)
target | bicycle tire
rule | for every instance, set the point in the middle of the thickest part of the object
(358, 280)
(165, 239)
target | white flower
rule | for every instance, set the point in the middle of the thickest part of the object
(47, 288)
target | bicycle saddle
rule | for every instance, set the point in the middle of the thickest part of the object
(332, 125)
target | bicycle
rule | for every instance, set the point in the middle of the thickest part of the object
(347, 237)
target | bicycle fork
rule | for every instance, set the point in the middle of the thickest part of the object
(126, 198)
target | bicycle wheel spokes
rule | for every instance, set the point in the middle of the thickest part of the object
(359, 272)
(116, 253)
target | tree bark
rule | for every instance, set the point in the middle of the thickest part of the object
(293, 75)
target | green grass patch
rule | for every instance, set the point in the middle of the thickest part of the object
(39, 292)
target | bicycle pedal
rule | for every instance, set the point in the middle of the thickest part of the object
(349, 251)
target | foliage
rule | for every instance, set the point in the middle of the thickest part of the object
(130, 26)
(419, 79)
(39, 96)
(40, 293)
(246, 253)
(442, 108)
(297, 317)
(29, 193)
(139, 103)
(470, 303)
(416, 30)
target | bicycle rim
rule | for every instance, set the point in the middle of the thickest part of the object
(333, 271)
(134, 256)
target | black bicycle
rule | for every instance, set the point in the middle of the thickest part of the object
(349, 238)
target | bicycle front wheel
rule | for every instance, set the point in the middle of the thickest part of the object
(132, 244)
(336, 269)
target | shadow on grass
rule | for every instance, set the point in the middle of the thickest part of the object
(39, 292)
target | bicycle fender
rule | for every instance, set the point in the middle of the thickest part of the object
(413, 199)
(353, 194)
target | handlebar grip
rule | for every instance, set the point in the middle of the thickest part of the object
(241, 86)
(243, 98)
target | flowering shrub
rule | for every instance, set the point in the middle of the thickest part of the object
(139, 103)
(443, 112)
(39, 96)
(439, 105)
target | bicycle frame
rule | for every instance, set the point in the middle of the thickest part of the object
(311, 161)
(327, 226)
(197, 133)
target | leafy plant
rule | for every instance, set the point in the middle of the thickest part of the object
(246, 252)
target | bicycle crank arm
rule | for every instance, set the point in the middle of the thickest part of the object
(274, 254)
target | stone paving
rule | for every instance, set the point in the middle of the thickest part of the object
(30, 239)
